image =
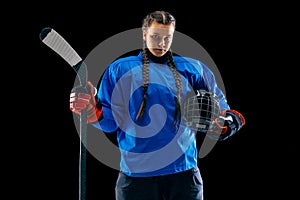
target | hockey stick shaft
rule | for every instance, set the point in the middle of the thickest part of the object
(58, 44)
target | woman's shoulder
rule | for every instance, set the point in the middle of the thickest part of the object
(185, 59)
(188, 63)
(126, 60)
(124, 64)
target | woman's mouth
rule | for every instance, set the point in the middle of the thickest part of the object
(160, 50)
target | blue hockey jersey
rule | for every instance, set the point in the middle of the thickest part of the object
(152, 145)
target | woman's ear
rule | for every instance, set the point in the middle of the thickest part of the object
(144, 35)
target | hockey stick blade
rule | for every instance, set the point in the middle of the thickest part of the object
(58, 44)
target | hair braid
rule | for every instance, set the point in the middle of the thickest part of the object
(178, 82)
(145, 73)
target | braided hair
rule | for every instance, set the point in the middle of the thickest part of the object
(164, 18)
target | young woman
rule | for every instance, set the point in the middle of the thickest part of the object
(140, 97)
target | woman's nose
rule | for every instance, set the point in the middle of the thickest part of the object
(161, 43)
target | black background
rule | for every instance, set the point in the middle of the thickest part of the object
(243, 40)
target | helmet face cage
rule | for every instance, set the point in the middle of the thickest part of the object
(201, 110)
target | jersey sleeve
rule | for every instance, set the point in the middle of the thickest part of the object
(211, 83)
(106, 123)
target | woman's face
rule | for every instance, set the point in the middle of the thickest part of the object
(159, 38)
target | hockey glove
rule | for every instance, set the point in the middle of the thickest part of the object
(84, 98)
(226, 125)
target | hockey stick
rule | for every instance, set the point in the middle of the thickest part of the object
(58, 44)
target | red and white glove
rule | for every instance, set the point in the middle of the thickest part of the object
(226, 125)
(84, 97)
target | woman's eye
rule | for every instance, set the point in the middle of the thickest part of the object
(167, 39)
(156, 37)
